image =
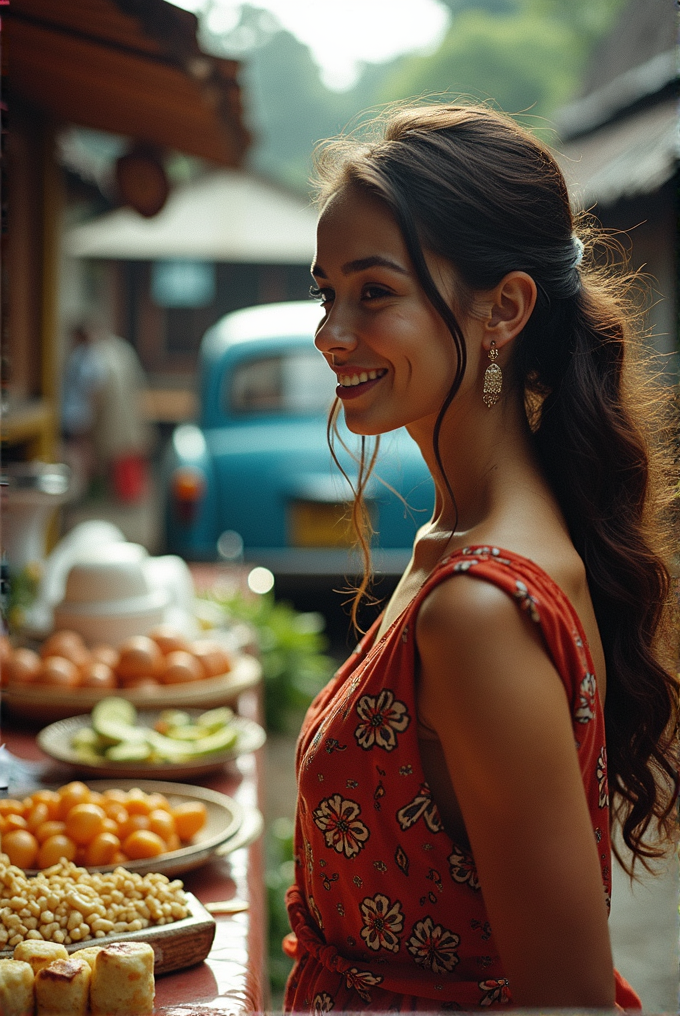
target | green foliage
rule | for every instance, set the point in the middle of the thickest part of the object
(519, 62)
(492, 6)
(291, 646)
(589, 20)
(292, 108)
(23, 589)
(280, 874)
(287, 105)
(524, 55)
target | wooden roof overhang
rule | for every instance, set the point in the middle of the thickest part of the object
(130, 67)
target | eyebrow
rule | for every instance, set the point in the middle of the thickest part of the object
(361, 264)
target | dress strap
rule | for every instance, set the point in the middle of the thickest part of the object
(534, 591)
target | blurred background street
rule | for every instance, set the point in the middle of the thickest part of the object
(157, 230)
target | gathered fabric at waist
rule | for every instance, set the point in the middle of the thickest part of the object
(307, 941)
(306, 937)
(393, 977)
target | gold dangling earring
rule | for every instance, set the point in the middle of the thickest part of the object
(493, 379)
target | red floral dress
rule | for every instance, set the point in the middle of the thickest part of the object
(387, 911)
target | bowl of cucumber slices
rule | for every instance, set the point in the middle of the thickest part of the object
(117, 739)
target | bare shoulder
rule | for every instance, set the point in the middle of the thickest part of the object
(465, 611)
(460, 600)
(478, 649)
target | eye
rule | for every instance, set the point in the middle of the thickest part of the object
(324, 295)
(374, 292)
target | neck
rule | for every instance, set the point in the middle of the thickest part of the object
(488, 459)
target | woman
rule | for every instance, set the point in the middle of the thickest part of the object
(452, 839)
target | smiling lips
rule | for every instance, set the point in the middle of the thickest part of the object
(352, 385)
(352, 380)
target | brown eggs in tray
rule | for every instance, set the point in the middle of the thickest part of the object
(26, 694)
(162, 657)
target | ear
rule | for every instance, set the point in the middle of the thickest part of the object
(510, 303)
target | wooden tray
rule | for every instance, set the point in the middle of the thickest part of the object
(43, 704)
(177, 945)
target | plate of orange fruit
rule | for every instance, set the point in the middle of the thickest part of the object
(141, 825)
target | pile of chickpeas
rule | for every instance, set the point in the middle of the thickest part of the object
(94, 829)
(68, 904)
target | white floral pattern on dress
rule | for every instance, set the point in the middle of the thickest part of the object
(602, 784)
(462, 868)
(422, 806)
(527, 602)
(385, 830)
(338, 820)
(433, 946)
(463, 566)
(361, 981)
(495, 990)
(586, 702)
(383, 920)
(382, 717)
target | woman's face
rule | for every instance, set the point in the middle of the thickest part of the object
(393, 355)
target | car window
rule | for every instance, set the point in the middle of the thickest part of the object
(293, 382)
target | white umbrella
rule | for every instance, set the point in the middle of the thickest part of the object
(227, 215)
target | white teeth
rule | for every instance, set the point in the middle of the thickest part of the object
(350, 380)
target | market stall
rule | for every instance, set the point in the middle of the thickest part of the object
(233, 977)
(191, 746)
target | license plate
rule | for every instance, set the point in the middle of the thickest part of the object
(315, 524)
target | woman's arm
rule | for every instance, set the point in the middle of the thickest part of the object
(490, 690)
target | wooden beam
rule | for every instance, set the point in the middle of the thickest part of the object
(52, 210)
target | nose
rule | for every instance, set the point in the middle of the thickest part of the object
(335, 334)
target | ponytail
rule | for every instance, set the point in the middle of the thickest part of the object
(593, 451)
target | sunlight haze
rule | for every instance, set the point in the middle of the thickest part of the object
(342, 34)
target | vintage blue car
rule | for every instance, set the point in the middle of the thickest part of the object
(254, 479)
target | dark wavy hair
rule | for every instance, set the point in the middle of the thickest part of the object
(469, 184)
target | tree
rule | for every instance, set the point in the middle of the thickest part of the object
(527, 56)
(524, 55)
(520, 63)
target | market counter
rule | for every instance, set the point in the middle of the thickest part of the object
(233, 979)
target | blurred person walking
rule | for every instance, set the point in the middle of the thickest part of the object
(106, 434)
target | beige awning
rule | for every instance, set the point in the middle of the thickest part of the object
(227, 215)
(631, 156)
